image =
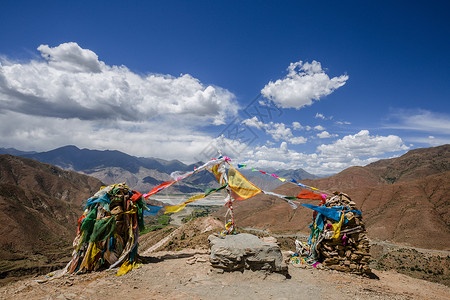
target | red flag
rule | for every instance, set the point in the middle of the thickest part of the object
(309, 195)
(159, 188)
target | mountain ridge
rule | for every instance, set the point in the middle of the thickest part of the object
(112, 166)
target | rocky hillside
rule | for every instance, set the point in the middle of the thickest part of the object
(404, 199)
(39, 207)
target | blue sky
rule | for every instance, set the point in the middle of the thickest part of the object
(349, 83)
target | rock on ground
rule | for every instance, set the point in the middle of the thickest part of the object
(245, 251)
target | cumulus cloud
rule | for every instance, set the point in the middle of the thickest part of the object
(297, 125)
(69, 96)
(71, 82)
(278, 131)
(319, 127)
(361, 145)
(304, 84)
(71, 57)
(298, 140)
(353, 150)
(326, 134)
(254, 122)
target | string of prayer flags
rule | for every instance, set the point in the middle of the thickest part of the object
(179, 175)
(306, 186)
(263, 172)
(314, 196)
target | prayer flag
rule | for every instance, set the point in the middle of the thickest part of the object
(241, 187)
(309, 195)
(159, 188)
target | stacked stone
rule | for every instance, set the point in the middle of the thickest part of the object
(350, 252)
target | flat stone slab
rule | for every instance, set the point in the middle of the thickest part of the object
(245, 251)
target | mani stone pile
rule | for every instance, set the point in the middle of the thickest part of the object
(350, 251)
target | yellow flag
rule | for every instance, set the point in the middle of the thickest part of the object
(177, 208)
(217, 174)
(337, 227)
(126, 267)
(242, 188)
(174, 208)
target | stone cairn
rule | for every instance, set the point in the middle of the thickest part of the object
(347, 251)
(350, 252)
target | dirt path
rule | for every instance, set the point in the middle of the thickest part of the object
(177, 218)
(186, 275)
(161, 242)
(423, 250)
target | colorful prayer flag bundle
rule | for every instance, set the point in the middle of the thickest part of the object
(108, 231)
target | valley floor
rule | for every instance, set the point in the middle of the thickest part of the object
(187, 274)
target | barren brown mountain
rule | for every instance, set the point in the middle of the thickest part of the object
(404, 200)
(39, 205)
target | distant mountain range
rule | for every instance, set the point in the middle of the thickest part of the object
(141, 173)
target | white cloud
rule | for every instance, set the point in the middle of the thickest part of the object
(430, 140)
(343, 123)
(421, 120)
(71, 57)
(298, 140)
(320, 116)
(72, 83)
(155, 138)
(278, 131)
(297, 125)
(71, 97)
(361, 145)
(326, 134)
(254, 122)
(304, 83)
(319, 127)
(352, 150)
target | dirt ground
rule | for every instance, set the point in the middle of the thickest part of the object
(187, 274)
